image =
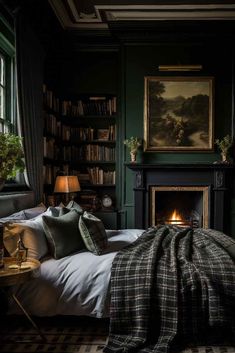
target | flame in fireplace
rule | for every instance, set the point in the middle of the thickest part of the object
(175, 218)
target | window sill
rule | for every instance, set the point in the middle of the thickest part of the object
(8, 188)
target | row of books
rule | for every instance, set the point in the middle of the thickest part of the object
(88, 153)
(54, 127)
(90, 106)
(50, 100)
(93, 176)
(90, 134)
(50, 172)
(100, 176)
(73, 153)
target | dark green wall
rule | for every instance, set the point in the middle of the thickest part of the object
(143, 60)
(122, 71)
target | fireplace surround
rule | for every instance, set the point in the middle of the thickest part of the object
(210, 183)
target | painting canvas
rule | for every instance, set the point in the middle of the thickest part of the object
(178, 114)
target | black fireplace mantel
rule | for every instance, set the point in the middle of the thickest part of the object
(217, 176)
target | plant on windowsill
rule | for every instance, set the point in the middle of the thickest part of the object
(11, 157)
(133, 143)
(224, 146)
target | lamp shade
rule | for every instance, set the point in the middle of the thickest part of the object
(67, 184)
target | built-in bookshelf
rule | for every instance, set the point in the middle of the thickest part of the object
(80, 139)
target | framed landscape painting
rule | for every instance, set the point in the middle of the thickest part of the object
(178, 113)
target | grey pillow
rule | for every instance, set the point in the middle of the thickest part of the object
(64, 210)
(74, 205)
(63, 234)
(93, 233)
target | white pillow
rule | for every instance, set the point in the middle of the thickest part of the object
(28, 213)
(34, 211)
(32, 234)
(17, 216)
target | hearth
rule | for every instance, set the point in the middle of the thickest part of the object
(179, 205)
(199, 193)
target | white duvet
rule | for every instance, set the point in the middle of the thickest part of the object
(74, 285)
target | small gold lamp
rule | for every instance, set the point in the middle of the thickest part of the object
(67, 184)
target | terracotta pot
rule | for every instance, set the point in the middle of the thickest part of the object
(224, 157)
(133, 155)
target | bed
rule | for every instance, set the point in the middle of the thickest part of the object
(75, 284)
(160, 287)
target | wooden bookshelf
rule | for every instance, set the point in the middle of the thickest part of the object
(80, 139)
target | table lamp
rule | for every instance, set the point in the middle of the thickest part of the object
(67, 184)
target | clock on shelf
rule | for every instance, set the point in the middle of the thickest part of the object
(106, 202)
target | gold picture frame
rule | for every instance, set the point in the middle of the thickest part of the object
(178, 114)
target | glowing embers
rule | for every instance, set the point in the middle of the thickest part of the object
(178, 219)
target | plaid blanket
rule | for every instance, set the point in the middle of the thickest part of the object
(172, 285)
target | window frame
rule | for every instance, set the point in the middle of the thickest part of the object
(7, 49)
(7, 52)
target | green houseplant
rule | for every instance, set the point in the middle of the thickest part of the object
(133, 143)
(11, 157)
(224, 145)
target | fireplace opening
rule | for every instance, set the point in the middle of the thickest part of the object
(180, 205)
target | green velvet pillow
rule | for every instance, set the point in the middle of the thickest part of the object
(93, 233)
(63, 234)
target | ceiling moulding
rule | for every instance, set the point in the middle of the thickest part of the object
(70, 17)
(169, 12)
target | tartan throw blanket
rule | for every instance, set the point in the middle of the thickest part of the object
(172, 285)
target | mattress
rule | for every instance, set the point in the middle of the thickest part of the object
(77, 284)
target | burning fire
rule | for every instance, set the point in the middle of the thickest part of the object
(175, 218)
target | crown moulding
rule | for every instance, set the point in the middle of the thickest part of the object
(71, 14)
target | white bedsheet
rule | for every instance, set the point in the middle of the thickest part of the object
(74, 285)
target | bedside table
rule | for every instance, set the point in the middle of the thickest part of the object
(15, 276)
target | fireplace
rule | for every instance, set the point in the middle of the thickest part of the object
(179, 205)
(199, 193)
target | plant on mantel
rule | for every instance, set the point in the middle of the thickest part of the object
(224, 146)
(11, 157)
(133, 143)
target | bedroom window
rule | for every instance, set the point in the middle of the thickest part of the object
(7, 77)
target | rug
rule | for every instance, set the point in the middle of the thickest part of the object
(63, 335)
(66, 335)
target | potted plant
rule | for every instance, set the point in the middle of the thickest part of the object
(11, 157)
(133, 143)
(224, 145)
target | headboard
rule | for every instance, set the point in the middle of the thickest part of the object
(14, 202)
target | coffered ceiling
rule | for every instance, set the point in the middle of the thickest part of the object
(98, 14)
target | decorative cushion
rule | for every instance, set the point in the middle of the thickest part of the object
(74, 205)
(32, 235)
(93, 233)
(63, 234)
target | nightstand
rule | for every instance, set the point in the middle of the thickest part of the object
(11, 277)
